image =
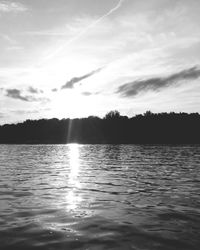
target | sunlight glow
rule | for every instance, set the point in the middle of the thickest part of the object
(70, 104)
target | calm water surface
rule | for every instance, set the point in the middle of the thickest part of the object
(99, 197)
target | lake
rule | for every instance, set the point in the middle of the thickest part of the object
(99, 197)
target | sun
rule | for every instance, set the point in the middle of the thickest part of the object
(70, 104)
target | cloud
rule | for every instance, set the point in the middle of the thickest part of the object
(25, 112)
(16, 94)
(70, 84)
(7, 6)
(84, 31)
(155, 84)
(54, 90)
(86, 93)
(34, 90)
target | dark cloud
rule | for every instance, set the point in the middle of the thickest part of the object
(16, 94)
(70, 84)
(155, 84)
(34, 90)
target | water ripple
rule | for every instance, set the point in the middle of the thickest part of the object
(99, 197)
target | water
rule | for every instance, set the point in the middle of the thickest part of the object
(99, 197)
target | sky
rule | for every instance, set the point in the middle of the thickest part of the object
(76, 58)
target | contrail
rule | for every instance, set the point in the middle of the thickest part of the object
(83, 32)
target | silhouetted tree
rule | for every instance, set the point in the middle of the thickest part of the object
(148, 113)
(151, 128)
(112, 115)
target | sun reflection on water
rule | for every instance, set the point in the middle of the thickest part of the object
(73, 197)
(69, 204)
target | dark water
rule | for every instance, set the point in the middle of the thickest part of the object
(99, 197)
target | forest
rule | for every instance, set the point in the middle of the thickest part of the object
(147, 128)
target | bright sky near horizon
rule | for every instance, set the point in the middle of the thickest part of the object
(75, 58)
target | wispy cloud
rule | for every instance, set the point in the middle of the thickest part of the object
(155, 84)
(70, 84)
(86, 93)
(25, 112)
(9, 6)
(46, 33)
(14, 48)
(84, 31)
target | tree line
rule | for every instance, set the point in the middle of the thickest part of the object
(147, 128)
